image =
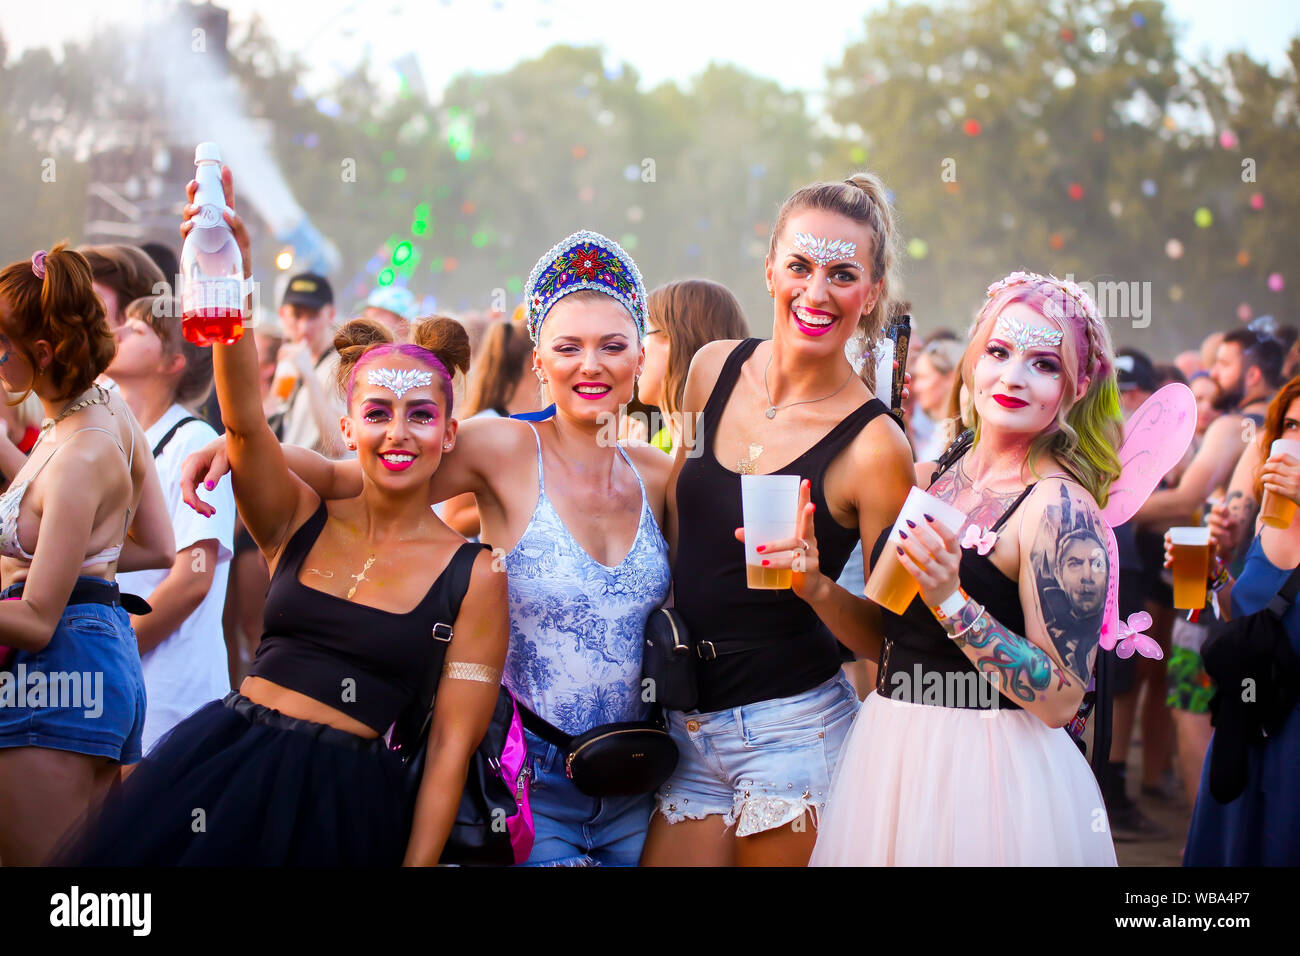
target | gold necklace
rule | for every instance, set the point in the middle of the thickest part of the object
(100, 398)
(356, 578)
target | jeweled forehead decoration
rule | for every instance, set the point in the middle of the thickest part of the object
(1027, 338)
(399, 381)
(825, 251)
(1066, 302)
(584, 260)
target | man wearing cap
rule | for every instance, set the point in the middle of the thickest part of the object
(314, 406)
(393, 307)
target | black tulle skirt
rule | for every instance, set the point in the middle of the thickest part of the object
(238, 784)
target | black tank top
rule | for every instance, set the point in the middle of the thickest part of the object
(366, 662)
(918, 655)
(769, 644)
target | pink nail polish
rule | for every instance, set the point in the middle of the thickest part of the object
(209, 485)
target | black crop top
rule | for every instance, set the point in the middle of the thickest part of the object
(919, 659)
(366, 662)
(770, 644)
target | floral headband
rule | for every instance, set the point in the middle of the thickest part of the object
(584, 260)
(1071, 306)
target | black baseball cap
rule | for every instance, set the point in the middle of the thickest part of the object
(309, 290)
(1134, 372)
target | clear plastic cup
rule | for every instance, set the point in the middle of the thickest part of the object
(1278, 511)
(1190, 549)
(770, 504)
(891, 585)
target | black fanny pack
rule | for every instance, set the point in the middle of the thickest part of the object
(671, 655)
(611, 760)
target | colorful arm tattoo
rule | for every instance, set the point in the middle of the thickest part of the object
(1021, 667)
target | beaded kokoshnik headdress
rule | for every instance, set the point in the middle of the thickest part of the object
(1068, 304)
(584, 260)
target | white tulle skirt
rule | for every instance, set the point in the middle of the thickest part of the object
(919, 785)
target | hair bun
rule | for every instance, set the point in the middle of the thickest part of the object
(445, 338)
(352, 341)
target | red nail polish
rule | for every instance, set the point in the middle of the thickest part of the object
(765, 562)
(761, 548)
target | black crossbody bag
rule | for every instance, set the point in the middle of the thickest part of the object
(1257, 685)
(612, 760)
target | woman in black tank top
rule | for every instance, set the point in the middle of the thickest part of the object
(757, 754)
(960, 757)
(293, 769)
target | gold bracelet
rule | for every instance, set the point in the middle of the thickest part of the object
(464, 670)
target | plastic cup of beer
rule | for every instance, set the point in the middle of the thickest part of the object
(1190, 548)
(891, 585)
(1278, 511)
(770, 504)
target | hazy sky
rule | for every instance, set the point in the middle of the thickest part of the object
(791, 41)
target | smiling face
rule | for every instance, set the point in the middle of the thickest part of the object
(588, 353)
(1019, 379)
(400, 438)
(820, 280)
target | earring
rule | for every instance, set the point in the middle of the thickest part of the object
(771, 293)
(446, 447)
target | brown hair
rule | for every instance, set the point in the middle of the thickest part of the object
(1272, 429)
(127, 270)
(692, 313)
(863, 199)
(444, 337)
(162, 314)
(61, 309)
(497, 368)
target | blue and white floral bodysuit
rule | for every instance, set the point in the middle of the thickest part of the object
(576, 625)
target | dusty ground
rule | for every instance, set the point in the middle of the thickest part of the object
(1167, 852)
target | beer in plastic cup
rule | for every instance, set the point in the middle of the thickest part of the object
(286, 377)
(1190, 548)
(891, 585)
(1278, 511)
(770, 504)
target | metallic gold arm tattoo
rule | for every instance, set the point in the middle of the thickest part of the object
(463, 670)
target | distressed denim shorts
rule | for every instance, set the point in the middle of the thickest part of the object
(762, 765)
(83, 692)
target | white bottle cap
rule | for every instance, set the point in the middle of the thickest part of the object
(206, 152)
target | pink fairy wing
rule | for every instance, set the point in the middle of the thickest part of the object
(1110, 619)
(1138, 622)
(1155, 439)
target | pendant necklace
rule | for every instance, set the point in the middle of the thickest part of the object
(356, 578)
(772, 409)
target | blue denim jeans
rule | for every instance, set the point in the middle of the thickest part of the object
(573, 829)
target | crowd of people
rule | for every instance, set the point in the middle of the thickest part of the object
(255, 584)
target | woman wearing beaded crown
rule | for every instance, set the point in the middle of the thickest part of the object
(575, 519)
(774, 709)
(941, 768)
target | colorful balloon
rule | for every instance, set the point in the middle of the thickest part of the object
(1276, 283)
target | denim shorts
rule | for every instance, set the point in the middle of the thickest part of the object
(573, 829)
(82, 692)
(762, 765)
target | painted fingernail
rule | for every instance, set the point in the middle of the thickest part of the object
(902, 534)
(209, 485)
(761, 548)
(910, 522)
(765, 562)
(899, 550)
(929, 517)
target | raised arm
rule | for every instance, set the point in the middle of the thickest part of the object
(466, 698)
(1210, 469)
(271, 501)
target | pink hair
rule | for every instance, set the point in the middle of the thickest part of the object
(410, 351)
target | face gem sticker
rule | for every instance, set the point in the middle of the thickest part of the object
(399, 381)
(825, 251)
(1025, 338)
